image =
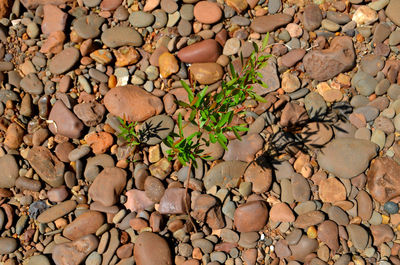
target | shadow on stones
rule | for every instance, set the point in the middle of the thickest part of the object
(291, 140)
(149, 131)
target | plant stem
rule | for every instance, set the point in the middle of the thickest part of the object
(187, 203)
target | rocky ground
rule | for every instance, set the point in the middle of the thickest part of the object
(315, 180)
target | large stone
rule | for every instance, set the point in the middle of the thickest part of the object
(346, 157)
(108, 185)
(85, 224)
(64, 61)
(325, 64)
(206, 51)
(115, 37)
(251, 216)
(392, 11)
(225, 174)
(73, 253)
(151, 249)
(132, 103)
(269, 23)
(383, 181)
(32, 4)
(312, 17)
(206, 73)
(64, 121)
(9, 171)
(46, 165)
(54, 19)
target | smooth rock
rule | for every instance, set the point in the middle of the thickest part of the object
(251, 216)
(269, 23)
(56, 211)
(108, 185)
(85, 224)
(64, 121)
(74, 252)
(9, 172)
(336, 155)
(152, 249)
(115, 37)
(206, 51)
(64, 61)
(133, 103)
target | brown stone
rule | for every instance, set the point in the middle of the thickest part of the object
(332, 190)
(251, 216)
(14, 136)
(281, 212)
(168, 64)
(132, 103)
(46, 165)
(206, 73)
(73, 253)
(64, 121)
(269, 23)
(99, 142)
(207, 12)
(326, 64)
(173, 201)
(260, 177)
(108, 185)
(381, 233)
(54, 19)
(85, 224)
(328, 233)
(382, 179)
(206, 51)
(151, 249)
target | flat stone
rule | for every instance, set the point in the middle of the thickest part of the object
(358, 235)
(115, 37)
(46, 165)
(225, 174)
(332, 190)
(207, 12)
(251, 216)
(64, 121)
(269, 23)
(382, 181)
(74, 252)
(7, 245)
(85, 224)
(88, 27)
(64, 61)
(338, 58)
(9, 172)
(312, 17)
(328, 233)
(56, 211)
(244, 149)
(152, 249)
(336, 155)
(132, 103)
(108, 185)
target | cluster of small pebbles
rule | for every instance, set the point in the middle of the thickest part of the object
(315, 179)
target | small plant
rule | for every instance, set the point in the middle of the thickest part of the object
(128, 131)
(212, 113)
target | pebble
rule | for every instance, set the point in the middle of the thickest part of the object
(142, 105)
(269, 23)
(56, 211)
(7, 245)
(336, 153)
(251, 216)
(141, 19)
(85, 224)
(107, 186)
(121, 36)
(151, 249)
(391, 207)
(9, 174)
(76, 251)
(202, 52)
(207, 12)
(64, 61)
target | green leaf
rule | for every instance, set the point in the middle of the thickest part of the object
(225, 119)
(255, 49)
(183, 104)
(241, 128)
(180, 124)
(258, 97)
(236, 133)
(221, 140)
(233, 73)
(265, 41)
(188, 90)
